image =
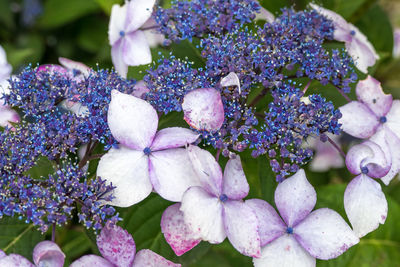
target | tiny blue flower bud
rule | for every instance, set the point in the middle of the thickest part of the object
(147, 151)
(223, 198)
(289, 230)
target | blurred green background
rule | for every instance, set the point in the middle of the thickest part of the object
(40, 31)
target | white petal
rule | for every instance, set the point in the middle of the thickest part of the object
(117, 23)
(284, 252)
(128, 171)
(5, 68)
(265, 15)
(393, 118)
(235, 184)
(148, 258)
(15, 260)
(132, 121)
(117, 57)
(173, 137)
(365, 205)
(203, 215)
(8, 115)
(91, 260)
(231, 80)
(135, 49)
(139, 11)
(47, 253)
(74, 65)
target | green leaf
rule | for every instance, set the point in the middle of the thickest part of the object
(74, 244)
(92, 38)
(18, 237)
(106, 5)
(43, 168)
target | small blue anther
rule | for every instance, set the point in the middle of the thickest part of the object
(223, 198)
(147, 151)
(289, 230)
(382, 119)
(76, 72)
(122, 33)
(353, 33)
(364, 170)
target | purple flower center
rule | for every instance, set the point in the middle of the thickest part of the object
(147, 151)
(353, 33)
(289, 230)
(122, 33)
(364, 170)
(382, 119)
(223, 198)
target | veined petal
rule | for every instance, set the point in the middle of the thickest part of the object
(241, 227)
(117, 57)
(324, 234)
(173, 137)
(295, 198)
(357, 120)
(369, 91)
(135, 49)
(231, 80)
(47, 253)
(235, 184)
(203, 215)
(128, 171)
(117, 23)
(148, 258)
(176, 233)
(271, 225)
(284, 252)
(116, 245)
(139, 11)
(171, 173)
(132, 121)
(15, 260)
(365, 205)
(393, 121)
(203, 109)
(91, 260)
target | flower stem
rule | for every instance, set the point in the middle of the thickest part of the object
(337, 147)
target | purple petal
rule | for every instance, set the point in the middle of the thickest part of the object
(15, 260)
(128, 171)
(207, 169)
(116, 245)
(358, 120)
(139, 11)
(91, 260)
(176, 233)
(203, 215)
(117, 57)
(235, 184)
(117, 23)
(132, 121)
(231, 80)
(265, 15)
(171, 173)
(52, 68)
(154, 38)
(326, 156)
(136, 50)
(203, 109)
(173, 137)
(324, 234)
(271, 225)
(241, 227)
(393, 122)
(74, 65)
(365, 205)
(369, 92)
(47, 253)
(284, 252)
(295, 198)
(396, 45)
(140, 89)
(147, 258)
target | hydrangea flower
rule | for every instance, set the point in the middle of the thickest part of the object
(375, 115)
(215, 210)
(325, 156)
(145, 158)
(357, 45)
(364, 202)
(45, 253)
(118, 249)
(302, 235)
(129, 44)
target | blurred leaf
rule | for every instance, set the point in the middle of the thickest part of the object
(6, 16)
(343, 7)
(275, 6)
(42, 168)
(17, 56)
(93, 38)
(18, 237)
(60, 12)
(74, 244)
(106, 5)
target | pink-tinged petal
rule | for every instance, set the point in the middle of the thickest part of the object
(284, 252)
(140, 89)
(203, 109)
(8, 115)
(324, 234)
(203, 215)
(369, 91)
(148, 258)
(207, 169)
(52, 68)
(326, 156)
(358, 120)
(91, 260)
(176, 233)
(74, 65)
(116, 245)
(241, 227)
(271, 225)
(235, 184)
(264, 14)
(117, 23)
(171, 173)
(2, 253)
(14, 260)
(173, 137)
(231, 80)
(295, 198)
(135, 49)
(47, 253)
(132, 121)
(393, 118)
(361, 50)
(365, 205)
(128, 171)
(117, 57)
(139, 11)
(396, 45)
